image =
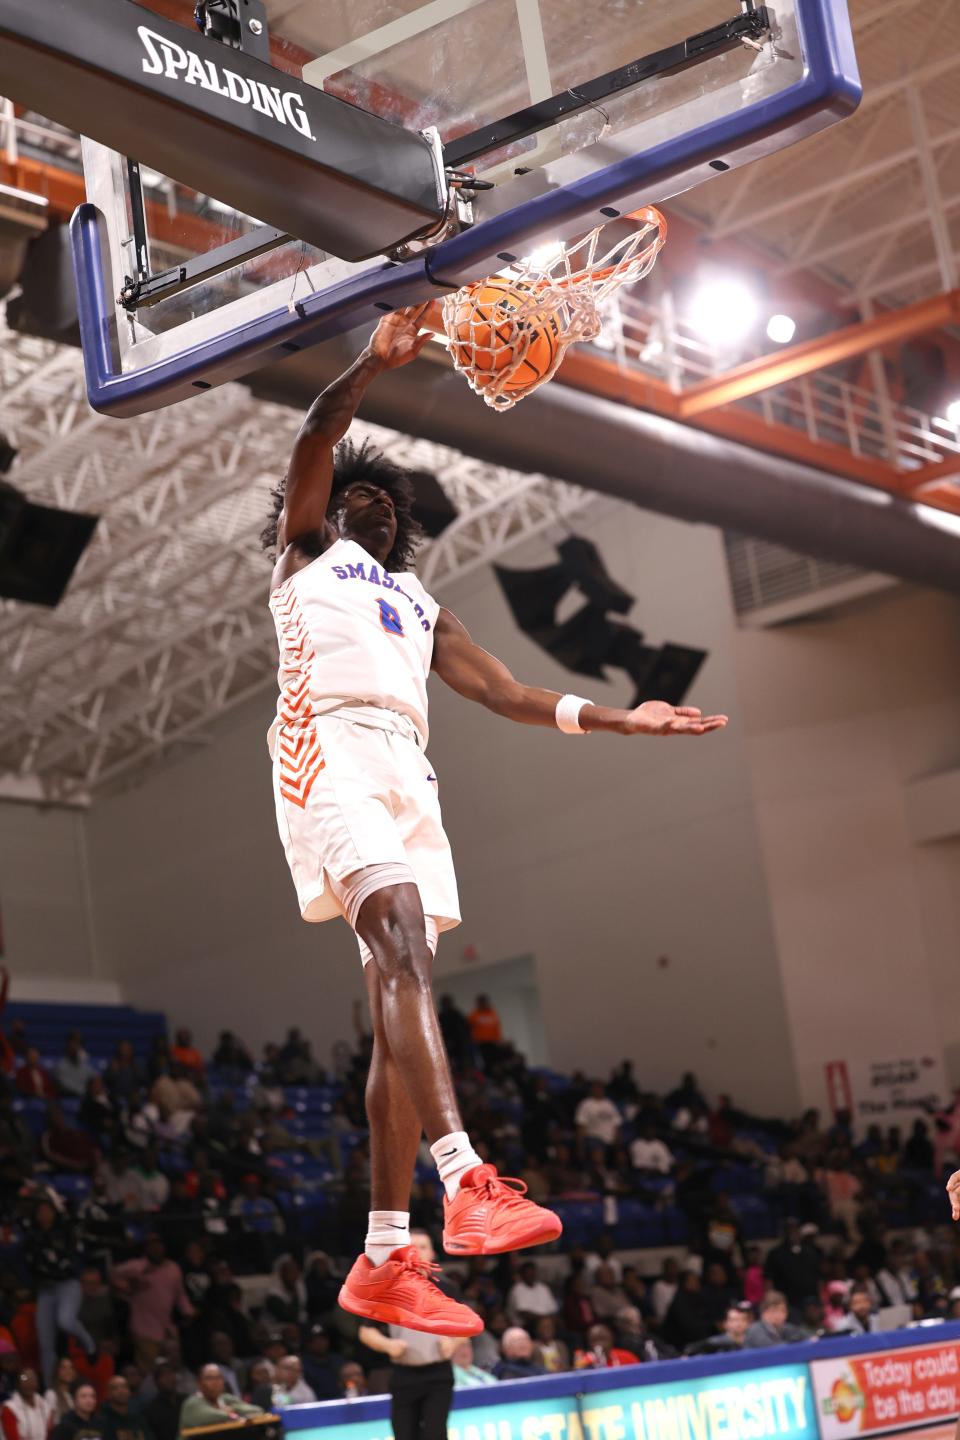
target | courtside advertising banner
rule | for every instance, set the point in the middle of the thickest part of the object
(775, 1403)
(887, 1390)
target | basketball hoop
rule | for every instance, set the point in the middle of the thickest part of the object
(508, 334)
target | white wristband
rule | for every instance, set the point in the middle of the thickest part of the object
(568, 714)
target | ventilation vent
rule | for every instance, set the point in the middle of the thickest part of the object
(771, 584)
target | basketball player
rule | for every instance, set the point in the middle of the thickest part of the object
(359, 815)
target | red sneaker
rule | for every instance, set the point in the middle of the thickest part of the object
(489, 1215)
(400, 1292)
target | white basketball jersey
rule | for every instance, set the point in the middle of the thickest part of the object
(350, 633)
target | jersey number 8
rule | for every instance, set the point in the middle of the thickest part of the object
(389, 618)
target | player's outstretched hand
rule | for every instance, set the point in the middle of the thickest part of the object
(398, 338)
(656, 717)
(953, 1190)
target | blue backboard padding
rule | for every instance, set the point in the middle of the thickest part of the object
(828, 90)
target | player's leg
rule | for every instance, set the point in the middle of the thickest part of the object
(391, 924)
(395, 1131)
(482, 1213)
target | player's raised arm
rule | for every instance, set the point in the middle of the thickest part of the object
(477, 675)
(396, 341)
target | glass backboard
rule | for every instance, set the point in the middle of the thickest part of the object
(569, 113)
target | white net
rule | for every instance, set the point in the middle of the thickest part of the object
(508, 334)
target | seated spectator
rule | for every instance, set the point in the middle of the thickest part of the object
(153, 1184)
(664, 1289)
(124, 1075)
(135, 1378)
(81, 1421)
(59, 1396)
(455, 1029)
(754, 1284)
(530, 1297)
(74, 1071)
(718, 1293)
(736, 1323)
(772, 1328)
(549, 1351)
(177, 1098)
(212, 1404)
(162, 1413)
(606, 1296)
(895, 1279)
(286, 1299)
(686, 1321)
(486, 1346)
(121, 1183)
(185, 1054)
(26, 1415)
(467, 1375)
(117, 1418)
(631, 1334)
(64, 1147)
(289, 1386)
(97, 1112)
(232, 1058)
(601, 1353)
(32, 1080)
(321, 1364)
(260, 1223)
(260, 1379)
(97, 1313)
(918, 1151)
(860, 1319)
(323, 1286)
(597, 1119)
(578, 1312)
(648, 1152)
(603, 1254)
(516, 1362)
(222, 1355)
(353, 1382)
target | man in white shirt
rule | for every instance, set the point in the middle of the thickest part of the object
(647, 1152)
(597, 1118)
(530, 1297)
(289, 1386)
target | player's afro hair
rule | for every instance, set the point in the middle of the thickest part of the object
(351, 464)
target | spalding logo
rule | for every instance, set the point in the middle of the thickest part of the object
(166, 57)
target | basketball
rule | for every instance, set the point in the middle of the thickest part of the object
(486, 336)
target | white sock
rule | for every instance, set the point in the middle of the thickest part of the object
(454, 1156)
(387, 1230)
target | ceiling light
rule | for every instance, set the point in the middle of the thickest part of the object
(723, 310)
(544, 255)
(781, 329)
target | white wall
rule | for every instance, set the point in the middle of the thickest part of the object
(46, 902)
(841, 716)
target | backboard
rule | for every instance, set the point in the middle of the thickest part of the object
(556, 115)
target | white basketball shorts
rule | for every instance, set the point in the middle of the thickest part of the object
(350, 795)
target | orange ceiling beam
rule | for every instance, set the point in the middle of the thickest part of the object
(937, 473)
(602, 377)
(772, 370)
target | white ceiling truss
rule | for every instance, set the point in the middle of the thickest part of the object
(164, 627)
(874, 203)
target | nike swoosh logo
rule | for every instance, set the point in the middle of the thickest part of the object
(433, 778)
(445, 1154)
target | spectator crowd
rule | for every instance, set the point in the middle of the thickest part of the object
(174, 1227)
